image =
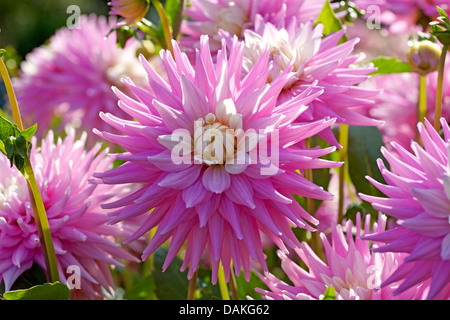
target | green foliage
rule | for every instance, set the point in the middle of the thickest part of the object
(387, 65)
(330, 294)
(247, 289)
(364, 146)
(14, 144)
(441, 28)
(46, 291)
(328, 19)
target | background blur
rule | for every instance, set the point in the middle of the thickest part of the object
(26, 24)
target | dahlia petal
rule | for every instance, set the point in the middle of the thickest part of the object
(433, 201)
(216, 179)
(181, 179)
(241, 191)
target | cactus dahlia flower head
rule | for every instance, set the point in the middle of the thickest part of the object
(318, 59)
(71, 77)
(418, 196)
(351, 268)
(80, 235)
(198, 146)
(233, 17)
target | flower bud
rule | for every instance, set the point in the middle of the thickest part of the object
(423, 57)
(132, 10)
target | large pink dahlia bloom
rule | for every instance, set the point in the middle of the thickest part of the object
(315, 58)
(80, 235)
(351, 268)
(418, 196)
(217, 196)
(210, 16)
(71, 77)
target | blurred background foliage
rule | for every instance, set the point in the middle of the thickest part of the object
(26, 24)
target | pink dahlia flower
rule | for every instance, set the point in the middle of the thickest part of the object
(80, 235)
(418, 196)
(233, 17)
(71, 77)
(397, 107)
(193, 150)
(315, 58)
(351, 268)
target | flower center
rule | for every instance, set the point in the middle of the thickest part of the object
(214, 142)
(231, 19)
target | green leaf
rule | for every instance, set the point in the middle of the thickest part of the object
(143, 289)
(387, 65)
(7, 129)
(171, 7)
(330, 294)
(364, 144)
(28, 133)
(329, 20)
(2, 52)
(47, 291)
(247, 289)
(21, 146)
(171, 284)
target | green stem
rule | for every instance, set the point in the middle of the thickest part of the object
(233, 287)
(147, 27)
(178, 21)
(222, 284)
(422, 99)
(438, 109)
(192, 286)
(165, 24)
(11, 95)
(35, 196)
(343, 140)
(42, 224)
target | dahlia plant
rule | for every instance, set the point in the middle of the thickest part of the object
(242, 134)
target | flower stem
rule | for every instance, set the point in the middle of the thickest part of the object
(165, 24)
(422, 99)
(233, 287)
(222, 284)
(42, 224)
(343, 140)
(192, 286)
(35, 196)
(11, 95)
(438, 109)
